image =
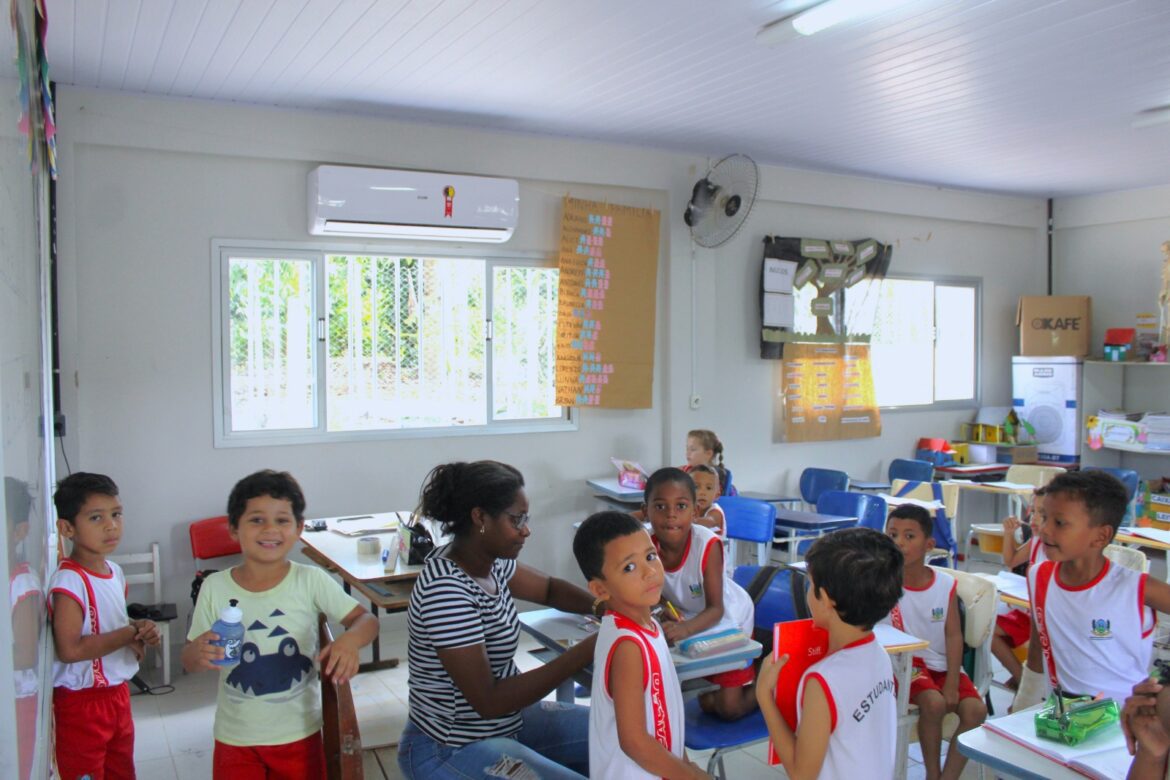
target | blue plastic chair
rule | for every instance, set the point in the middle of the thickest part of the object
(749, 520)
(814, 481)
(727, 488)
(911, 470)
(707, 732)
(869, 509)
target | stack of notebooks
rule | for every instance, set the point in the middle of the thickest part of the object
(1157, 430)
(1102, 756)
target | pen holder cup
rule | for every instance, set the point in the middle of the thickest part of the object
(1079, 719)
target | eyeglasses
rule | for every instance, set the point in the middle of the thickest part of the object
(519, 519)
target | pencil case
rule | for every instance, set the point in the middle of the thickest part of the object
(1079, 718)
(709, 644)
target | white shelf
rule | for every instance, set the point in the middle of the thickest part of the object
(1130, 448)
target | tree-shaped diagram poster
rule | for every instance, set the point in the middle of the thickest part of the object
(605, 318)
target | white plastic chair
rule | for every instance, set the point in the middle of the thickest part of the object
(1129, 557)
(147, 572)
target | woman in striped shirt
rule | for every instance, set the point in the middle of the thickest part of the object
(472, 713)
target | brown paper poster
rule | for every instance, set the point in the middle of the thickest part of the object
(827, 392)
(605, 317)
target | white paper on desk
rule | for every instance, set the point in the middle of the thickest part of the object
(1010, 485)
(1008, 583)
(1157, 534)
(1020, 728)
(893, 501)
(779, 310)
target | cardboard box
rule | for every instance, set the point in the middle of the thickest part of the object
(1054, 325)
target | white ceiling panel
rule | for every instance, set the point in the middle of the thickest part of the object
(1033, 97)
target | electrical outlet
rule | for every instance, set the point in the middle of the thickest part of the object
(696, 401)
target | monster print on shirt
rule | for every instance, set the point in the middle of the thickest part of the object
(278, 675)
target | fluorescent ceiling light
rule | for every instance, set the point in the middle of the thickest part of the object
(821, 17)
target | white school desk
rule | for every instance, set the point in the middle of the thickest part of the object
(389, 591)
(555, 630)
(1010, 759)
(617, 496)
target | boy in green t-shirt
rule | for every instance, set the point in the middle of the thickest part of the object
(268, 716)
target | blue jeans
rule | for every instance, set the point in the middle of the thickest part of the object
(553, 744)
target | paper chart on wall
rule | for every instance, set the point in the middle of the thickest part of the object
(605, 319)
(827, 392)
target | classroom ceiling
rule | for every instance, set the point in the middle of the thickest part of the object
(1035, 97)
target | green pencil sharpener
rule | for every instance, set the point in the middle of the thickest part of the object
(1073, 720)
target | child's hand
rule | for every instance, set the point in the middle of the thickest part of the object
(696, 772)
(950, 692)
(339, 661)
(146, 632)
(206, 652)
(138, 648)
(1010, 524)
(675, 631)
(1140, 721)
(769, 672)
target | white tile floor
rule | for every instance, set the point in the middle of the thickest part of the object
(173, 731)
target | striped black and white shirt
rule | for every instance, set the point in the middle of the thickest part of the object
(448, 609)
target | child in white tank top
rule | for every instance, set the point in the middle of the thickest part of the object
(636, 718)
(929, 609)
(854, 579)
(1092, 621)
(696, 586)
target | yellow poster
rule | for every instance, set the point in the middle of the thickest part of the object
(827, 392)
(605, 320)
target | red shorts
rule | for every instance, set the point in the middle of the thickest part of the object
(736, 678)
(923, 679)
(94, 732)
(300, 760)
(1016, 626)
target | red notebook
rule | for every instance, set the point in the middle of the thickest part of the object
(805, 644)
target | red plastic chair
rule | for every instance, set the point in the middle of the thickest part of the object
(210, 538)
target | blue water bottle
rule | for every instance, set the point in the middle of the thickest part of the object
(230, 628)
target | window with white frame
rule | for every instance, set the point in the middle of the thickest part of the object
(924, 337)
(339, 344)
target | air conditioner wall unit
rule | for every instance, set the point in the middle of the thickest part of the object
(411, 205)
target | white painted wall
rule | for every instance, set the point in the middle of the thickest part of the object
(1108, 246)
(147, 184)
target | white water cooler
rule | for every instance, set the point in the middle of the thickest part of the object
(1046, 392)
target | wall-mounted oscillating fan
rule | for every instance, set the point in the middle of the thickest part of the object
(721, 200)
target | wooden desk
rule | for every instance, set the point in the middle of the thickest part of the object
(388, 591)
(1155, 540)
(791, 522)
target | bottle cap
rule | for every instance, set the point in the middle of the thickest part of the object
(231, 613)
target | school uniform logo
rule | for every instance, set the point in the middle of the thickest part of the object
(938, 614)
(696, 589)
(1101, 629)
